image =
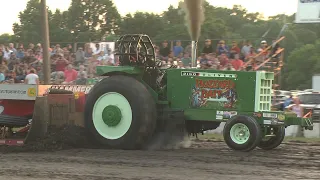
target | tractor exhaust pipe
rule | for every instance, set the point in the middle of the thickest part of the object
(194, 48)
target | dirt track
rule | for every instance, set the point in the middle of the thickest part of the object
(290, 161)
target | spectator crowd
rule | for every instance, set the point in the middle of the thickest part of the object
(24, 64)
(223, 57)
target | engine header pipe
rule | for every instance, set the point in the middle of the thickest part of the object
(194, 48)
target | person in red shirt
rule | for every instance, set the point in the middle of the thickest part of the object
(234, 49)
(237, 63)
(60, 63)
(223, 59)
(70, 75)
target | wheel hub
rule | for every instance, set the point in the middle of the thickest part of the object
(111, 115)
(240, 133)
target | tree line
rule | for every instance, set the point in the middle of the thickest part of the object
(97, 20)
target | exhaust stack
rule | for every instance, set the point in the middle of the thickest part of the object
(194, 58)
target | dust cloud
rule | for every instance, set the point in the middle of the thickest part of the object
(194, 17)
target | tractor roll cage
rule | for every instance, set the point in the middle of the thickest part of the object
(136, 49)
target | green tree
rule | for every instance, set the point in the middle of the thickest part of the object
(6, 38)
(29, 28)
(302, 64)
(142, 23)
(93, 18)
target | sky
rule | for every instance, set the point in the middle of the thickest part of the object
(10, 13)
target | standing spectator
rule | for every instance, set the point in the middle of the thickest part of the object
(60, 62)
(70, 49)
(7, 53)
(11, 48)
(20, 53)
(39, 48)
(32, 78)
(70, 75)
(222, 48)
(246, 49)
(97, 50)
(188, 49)
(80, 56)
(88, 53)
(263, 51)
(208, 48)
(165, 50)
(177, 49)
(31, 46)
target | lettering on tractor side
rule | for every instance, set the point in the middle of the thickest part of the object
(214, 93)
(208, 74)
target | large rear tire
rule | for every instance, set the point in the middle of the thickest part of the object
(269, 143)
(120, 113)
(242, 133)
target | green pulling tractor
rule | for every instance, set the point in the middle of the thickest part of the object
(138, 101)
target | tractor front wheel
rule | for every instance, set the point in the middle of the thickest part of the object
(242, 133)
(268, 143)
(120, 113)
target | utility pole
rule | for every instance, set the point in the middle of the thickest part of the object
(45, 42)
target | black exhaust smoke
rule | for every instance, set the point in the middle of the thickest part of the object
(194, 17)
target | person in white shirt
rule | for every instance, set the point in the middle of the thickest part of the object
(32, 78)
(98, 50)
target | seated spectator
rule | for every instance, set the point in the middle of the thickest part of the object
(234, 49)
(101, 56)
(164, 50)
(70, 75)
(237, 63)
(1, 57)
(186, 60)
(223, 59)
(2, 77)
(82, 71)
(82, 80)
(57, 77)
(251, 54)
(228, 67)
(10, 77)
(32, 78)
(222, 48)
(18, 69)
(208, 48)
(3, 68)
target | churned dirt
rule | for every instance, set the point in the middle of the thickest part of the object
(204, 159)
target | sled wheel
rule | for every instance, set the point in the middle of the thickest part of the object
(120, 113)
(242, 133)
(268, 143)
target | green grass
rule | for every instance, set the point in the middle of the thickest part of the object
(219, 137)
